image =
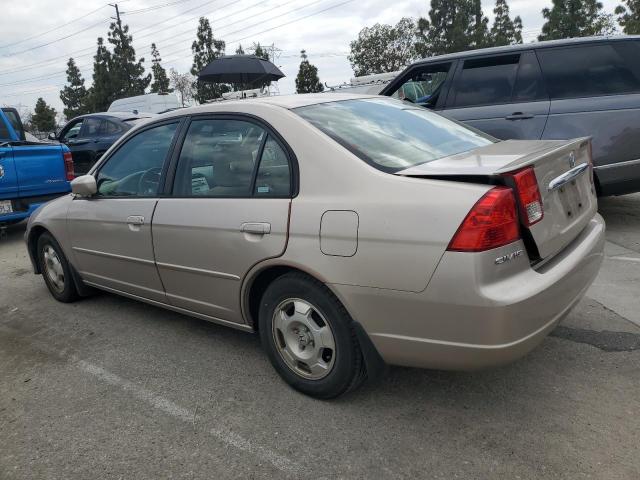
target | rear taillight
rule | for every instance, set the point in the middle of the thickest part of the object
(526, 185)
(491, 223)
(68, 166)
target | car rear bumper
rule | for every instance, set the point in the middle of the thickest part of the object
(474, 313)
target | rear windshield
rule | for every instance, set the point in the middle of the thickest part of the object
(392, 135)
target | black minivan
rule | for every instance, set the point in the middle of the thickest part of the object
(548, 90)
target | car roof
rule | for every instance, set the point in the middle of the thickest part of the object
(117, 115)
(283, 101)
(525, 46)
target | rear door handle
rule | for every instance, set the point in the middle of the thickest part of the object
(519, 116)
(259, 228)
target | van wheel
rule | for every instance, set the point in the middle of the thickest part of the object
(308, 336)
(56, 270)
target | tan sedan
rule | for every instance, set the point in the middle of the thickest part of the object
(348, 231)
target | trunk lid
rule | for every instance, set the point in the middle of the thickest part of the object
(562, 170)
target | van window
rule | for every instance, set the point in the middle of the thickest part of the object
(529, 85)
(485, 81)
(590, 70)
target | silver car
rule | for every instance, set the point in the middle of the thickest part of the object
(349, 231)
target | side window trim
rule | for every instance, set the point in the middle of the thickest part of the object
(167, 160)
(171, 174)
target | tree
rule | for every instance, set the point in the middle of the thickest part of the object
(453, 26)
(160, 80)
(126, 73)
(101, 93)
(183, 84)
(629, 16)
(574, 18)
(307, 80)
(383, 48)
(505, 31)
(205, 50)
(239, 50)
(44, 117)
(259, 52)
(74, 96)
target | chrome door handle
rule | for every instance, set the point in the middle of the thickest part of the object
(567, 177)
(259, 228)
(135, 220)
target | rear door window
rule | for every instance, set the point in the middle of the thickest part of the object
(425, 85)
(90, 127)
(485, 81)
(591, 70)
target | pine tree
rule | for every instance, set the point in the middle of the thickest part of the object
(384, 48)
(101, 93)
(307, 80)
(44, 117)
(160, 80)
(126, 73)
(259, 52)
(453, 26)
(239, 50)
(205, 50)
(74, 96)
(574, 18)
(505, 31)
(629, 16)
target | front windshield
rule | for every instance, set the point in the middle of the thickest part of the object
(392, 135)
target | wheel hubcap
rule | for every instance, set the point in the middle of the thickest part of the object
(53, 268)
(303, 338)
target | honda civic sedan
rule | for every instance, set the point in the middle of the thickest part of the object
(348, 231)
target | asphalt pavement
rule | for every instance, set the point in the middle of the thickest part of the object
(108, 388)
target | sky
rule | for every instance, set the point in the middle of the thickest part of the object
(38, 36)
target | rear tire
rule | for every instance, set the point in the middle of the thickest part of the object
(309, 337)
(56, 270)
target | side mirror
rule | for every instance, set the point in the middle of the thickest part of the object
(84, 186)
(52, 136)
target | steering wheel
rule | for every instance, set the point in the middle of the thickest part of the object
(149, 182)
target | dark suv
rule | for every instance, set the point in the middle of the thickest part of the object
(89, 136)
(549, 90)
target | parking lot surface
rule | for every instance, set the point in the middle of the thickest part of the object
(111, 388)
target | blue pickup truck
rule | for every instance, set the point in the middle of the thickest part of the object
(31, 173)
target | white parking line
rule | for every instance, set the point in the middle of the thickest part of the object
(187, 416)
(626, 259)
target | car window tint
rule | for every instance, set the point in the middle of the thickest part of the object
(109, 128)
(392, 135)
(273, 179)
(73, 132)
(589, 70)
(218, 158)
(15, 123)
(4, 131)
(135, 168)
(424, 86)
(90, 127)
(485, 81)
(529, 85)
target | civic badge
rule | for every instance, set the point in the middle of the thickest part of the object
(572, 160)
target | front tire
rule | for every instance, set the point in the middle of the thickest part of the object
(56, 270)
(309, 338)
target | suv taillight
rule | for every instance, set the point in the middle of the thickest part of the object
(526, 185)
(68, 166)
(491, 223)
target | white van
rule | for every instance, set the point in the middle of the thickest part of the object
(149, 103)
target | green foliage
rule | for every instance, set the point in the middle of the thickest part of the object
(239, 50)
(574, 18)
(44, 117)
(101, 93)
(160, 80)
(384, 48)
(505, 31)
(74, 96)
(307, 80)
(126, 73)
(205, 50)
(453, 26)
(629, 16)
(259, 52)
